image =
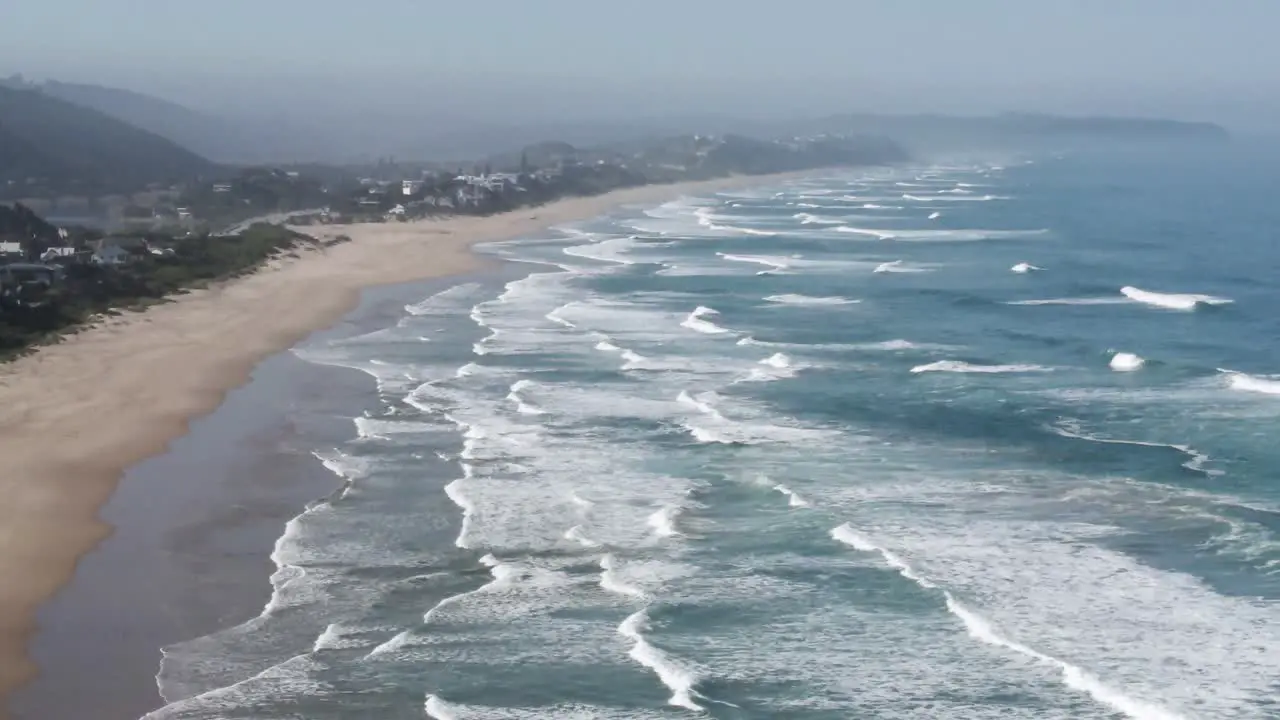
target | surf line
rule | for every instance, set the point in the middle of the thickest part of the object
(979, 628)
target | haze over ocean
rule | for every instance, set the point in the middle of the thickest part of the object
(985, 439)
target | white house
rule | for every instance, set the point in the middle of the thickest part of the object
(410, 187)
(57, 252)
(501, 181)
(10, 248)
(118, 250)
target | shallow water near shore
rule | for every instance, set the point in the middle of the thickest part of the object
(853, 446)
(194, 528)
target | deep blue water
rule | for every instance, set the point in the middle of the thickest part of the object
(814, 450)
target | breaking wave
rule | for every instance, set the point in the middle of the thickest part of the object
(1171, 301)
(1126, 362)
(792, 299)
(958, 366)
(1251, 383)
(696, 322)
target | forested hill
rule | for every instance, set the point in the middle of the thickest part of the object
(54, 144)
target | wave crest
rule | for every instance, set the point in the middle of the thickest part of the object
(1171, 301)
(959, 366)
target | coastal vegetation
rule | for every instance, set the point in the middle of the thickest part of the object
(253, 192)
(53, 279)
(41, 300)
(549, 171)
(72, 149)
(51, 146)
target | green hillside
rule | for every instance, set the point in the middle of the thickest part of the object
(49, 144)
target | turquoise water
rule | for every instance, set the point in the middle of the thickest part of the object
(973, 440)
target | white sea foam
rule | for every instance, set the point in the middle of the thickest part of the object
(555, 317)
(663, 521)
(1171, 301)
(576, 534)
(777, 360)
(679, 678)
(611, 250)
(445, 300)
(900, 266)
(973, 235)
(809, 219)
(606, 346)
(611, 580)
(695, 321)
(523, 407)
(1196, 460)
(775, 367)
(368, 428)
(438, 709)
(1073, 676)
(336, 637)
(1071, 301)
(982, 630)
(710, 426)
(1023, 268)
(1250, 542)
(958, 366)
(454, 491)
(1252, 383)
(793, 499)
(974, 198)
(707, 219)
(897, 344)
(935, 215)
(792, 299)
(774, 262)
(635, 361)
(1126, 362)
(347, 467)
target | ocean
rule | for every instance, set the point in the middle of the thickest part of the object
(989, 438)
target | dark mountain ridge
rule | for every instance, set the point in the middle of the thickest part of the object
(50, 143)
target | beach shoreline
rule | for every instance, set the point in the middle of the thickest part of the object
(77, 415)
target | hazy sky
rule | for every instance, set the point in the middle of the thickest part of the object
(1189, 58)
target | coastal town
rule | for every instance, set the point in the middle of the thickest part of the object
(60, 268)
(691, 360)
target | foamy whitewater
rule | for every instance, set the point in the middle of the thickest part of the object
(725, 458)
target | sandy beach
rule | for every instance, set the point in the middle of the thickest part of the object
(75, 416)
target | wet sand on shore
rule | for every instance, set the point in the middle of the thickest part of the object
(76, 415)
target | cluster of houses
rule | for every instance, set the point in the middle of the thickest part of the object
(112, 250)
(398, 199)
(18, 269)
